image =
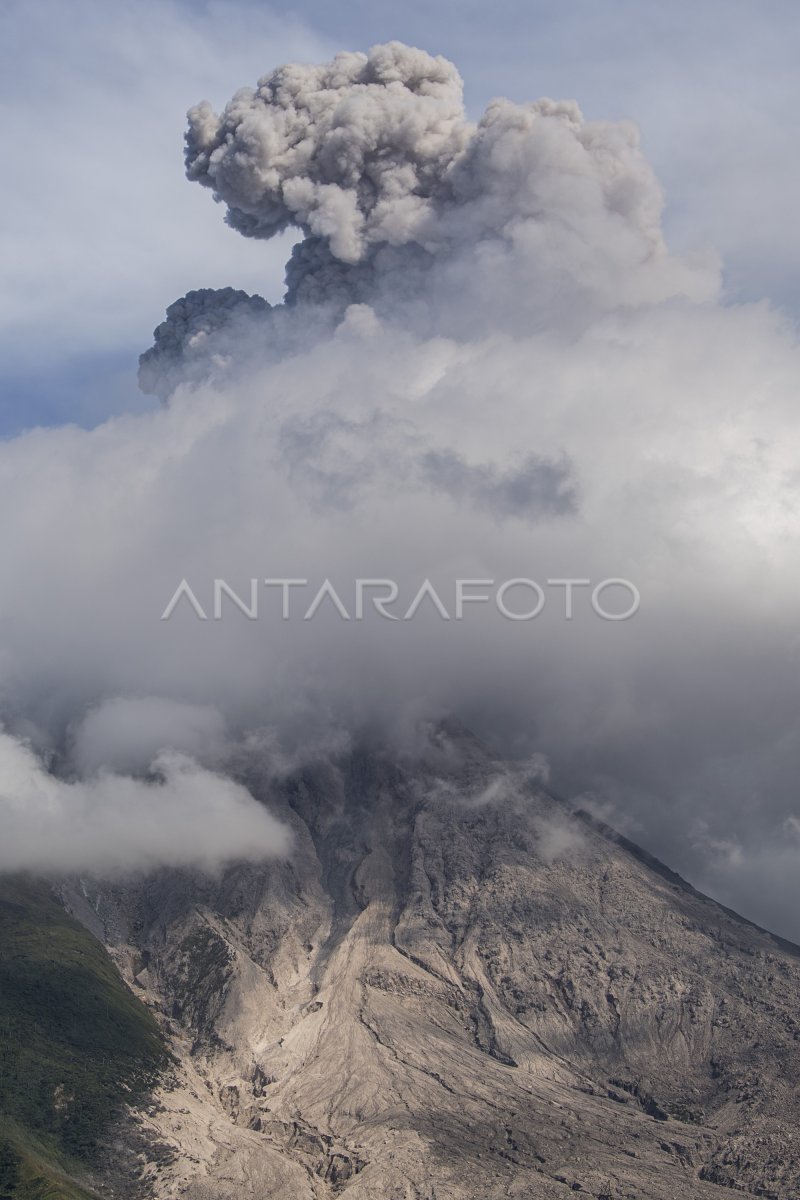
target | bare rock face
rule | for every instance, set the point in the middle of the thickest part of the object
(456, 989)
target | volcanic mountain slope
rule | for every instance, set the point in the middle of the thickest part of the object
(456, 989)
(75, 1046)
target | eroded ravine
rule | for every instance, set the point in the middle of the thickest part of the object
(421, 1003)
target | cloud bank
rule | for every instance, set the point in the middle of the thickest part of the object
(488, 366)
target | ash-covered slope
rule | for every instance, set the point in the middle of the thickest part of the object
(454, 989)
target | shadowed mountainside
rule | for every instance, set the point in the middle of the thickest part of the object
(75, 1047)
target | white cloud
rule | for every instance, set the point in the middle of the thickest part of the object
(182, 815)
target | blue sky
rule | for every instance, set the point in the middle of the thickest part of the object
(99, 231)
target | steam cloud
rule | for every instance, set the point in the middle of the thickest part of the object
(488, 365)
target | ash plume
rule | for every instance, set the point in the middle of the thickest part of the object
(406, 205)
(356, 151)
(488, 366)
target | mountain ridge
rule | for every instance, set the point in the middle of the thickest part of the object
(661, 868)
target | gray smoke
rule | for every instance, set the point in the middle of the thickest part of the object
(404, 204)
(376, 150)
(191, 339)
(488, 366)
(356, 151)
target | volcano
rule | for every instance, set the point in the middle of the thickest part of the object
(456, 987)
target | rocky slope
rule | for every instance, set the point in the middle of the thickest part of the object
(456, 989)
(74, 1046)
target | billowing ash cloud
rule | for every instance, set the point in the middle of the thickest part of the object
(356, 151)
(488, 367)
(183, 348)
(375, 150)
(406, 205)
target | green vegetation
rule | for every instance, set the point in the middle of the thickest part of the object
(31, 1170)
(75, 1045)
